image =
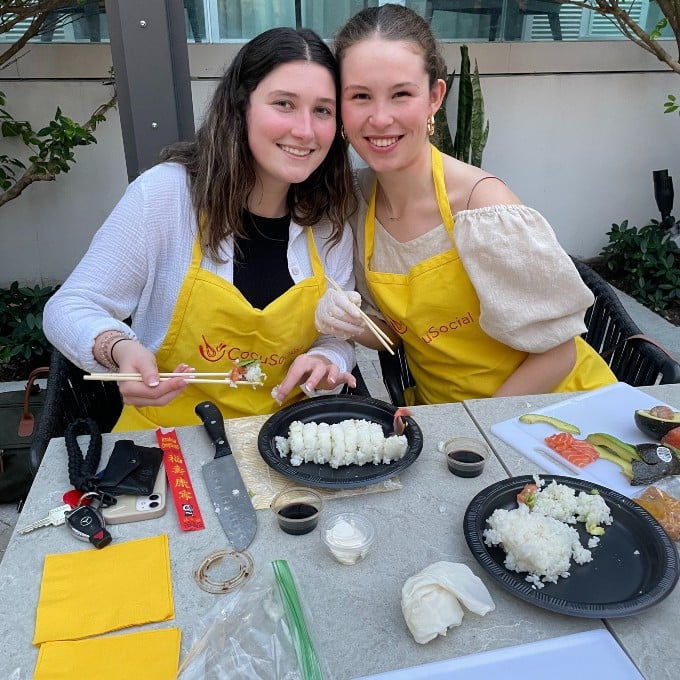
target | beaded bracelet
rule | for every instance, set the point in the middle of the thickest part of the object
(102, 348)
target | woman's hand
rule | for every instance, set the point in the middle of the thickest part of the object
(337, 313)
(313, 371)
(133, 357)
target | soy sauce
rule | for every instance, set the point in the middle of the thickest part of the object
(297, 512)
(467, 457)
(465, 463)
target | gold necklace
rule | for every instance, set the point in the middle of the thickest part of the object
(388, 208)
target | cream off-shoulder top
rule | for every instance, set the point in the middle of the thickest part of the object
(531, 295)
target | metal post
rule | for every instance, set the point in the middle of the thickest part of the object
(151, 69)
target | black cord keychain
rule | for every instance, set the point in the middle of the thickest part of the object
(86, 522)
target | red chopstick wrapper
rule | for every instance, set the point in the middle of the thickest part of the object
(186, 505)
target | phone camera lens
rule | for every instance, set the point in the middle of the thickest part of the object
(154, 497)
(154, 504)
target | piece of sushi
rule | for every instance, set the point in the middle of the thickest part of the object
(338, 446)
(349, 442)
(324, 443)
(394, 448)
(282, 445)
(310, 442)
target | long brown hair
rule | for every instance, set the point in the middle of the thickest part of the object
(393, 22)
(220, 164)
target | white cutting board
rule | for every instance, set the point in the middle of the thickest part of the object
(592, 654)
(609, 409)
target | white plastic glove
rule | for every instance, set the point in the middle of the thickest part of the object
(338, 314)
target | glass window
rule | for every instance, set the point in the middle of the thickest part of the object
(451, 20)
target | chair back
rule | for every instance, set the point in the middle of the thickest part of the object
(615, 336)
(69, 397)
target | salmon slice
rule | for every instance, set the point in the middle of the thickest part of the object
(577, 451)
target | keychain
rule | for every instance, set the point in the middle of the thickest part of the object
(87, 523)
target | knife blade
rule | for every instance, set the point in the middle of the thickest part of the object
(226, 489)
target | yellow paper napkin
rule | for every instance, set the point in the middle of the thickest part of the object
(96, 591)
(151, 655)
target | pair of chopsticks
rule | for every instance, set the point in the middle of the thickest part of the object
(203, 378)
(382, 337)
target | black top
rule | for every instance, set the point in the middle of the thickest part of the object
(261, 260)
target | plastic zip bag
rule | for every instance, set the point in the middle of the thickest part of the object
(259, 632)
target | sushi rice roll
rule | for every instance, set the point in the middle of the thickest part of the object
(349, 442)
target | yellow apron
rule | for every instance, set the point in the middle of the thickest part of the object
(212, 325)
(435, 310)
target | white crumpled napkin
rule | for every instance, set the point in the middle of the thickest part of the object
(431, 600)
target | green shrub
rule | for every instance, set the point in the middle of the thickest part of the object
(649, 259)
(472, 130)
(21, 333)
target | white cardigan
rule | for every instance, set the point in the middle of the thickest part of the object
(139, 258)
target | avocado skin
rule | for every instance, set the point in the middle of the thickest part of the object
(652, 426)
(643, 473)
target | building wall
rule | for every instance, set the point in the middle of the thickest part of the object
(575, 130)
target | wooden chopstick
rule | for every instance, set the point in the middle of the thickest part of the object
(132, 377)
(383, 338)
(176, 375)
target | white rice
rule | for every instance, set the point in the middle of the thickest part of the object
(349, 442)
(540, 541)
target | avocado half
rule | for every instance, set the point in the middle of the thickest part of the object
(653, 426)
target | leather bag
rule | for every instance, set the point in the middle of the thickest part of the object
(18, 410)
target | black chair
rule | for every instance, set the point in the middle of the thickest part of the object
(68, 397)
(615, 336)
(632, 357)
(493, 8)
(517, 10)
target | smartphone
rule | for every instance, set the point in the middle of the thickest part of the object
(137, 508)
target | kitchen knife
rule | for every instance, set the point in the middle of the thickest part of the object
(226, 489)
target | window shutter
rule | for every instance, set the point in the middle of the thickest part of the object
(582, 24)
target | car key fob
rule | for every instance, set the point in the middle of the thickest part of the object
(87, 524)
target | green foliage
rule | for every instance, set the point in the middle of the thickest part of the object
(461, 143)
(471, 130)
(21, 333)
(479, 132)
(50, 148)
(442, 135)
(649, 258)
(657, 31)
(671, 104)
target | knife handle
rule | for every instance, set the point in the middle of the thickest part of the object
(213, 421)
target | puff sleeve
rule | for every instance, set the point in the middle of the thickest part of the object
(531, 295)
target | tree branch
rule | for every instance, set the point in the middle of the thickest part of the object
(15, 12)
(32, 174)
(620, 17)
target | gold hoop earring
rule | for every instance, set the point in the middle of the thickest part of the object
(430, 126)
(342, 133)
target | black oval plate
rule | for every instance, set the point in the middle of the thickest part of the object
(331, 410)
(618, 582)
